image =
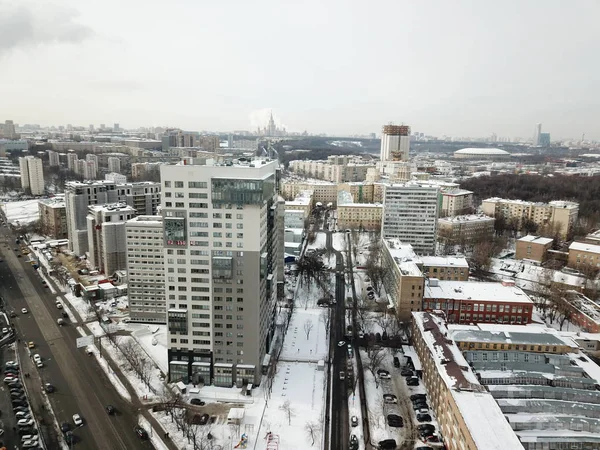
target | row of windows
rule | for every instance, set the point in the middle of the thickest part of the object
(191, 184)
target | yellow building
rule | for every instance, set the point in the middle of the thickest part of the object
(472, 228)
(364, 216)
(534, 248)
(468, 416)
(557, 216)
(582, 254)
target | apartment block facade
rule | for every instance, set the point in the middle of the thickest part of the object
(332, 170)
(410, 214)
(456, 202)
(223, 251)
(534, 248)
(471, 228)
(559, 216)
(32, 175)
(53, 217)
(106, 236)
(356, 216)
(145, 269)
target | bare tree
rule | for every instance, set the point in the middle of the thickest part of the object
(325, 318)
(376, 356)
(313, 430)
(308, 326)
(288, 411)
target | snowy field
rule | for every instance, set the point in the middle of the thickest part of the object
(320, 241)
(153, 339)
(296, 345)
(21, 213)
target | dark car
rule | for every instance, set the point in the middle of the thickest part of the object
(65, 427)
(426, 426)
(49, 388)
(406, 373)
(432, 439)
(13, 314)
(142, 434)
(423, 418)
(110, 410)
(412, 381)
(70, 438)
(396, 362)
(353, 442)
(420, 405)
(197, 402)
(394, 420)
(387, 444)
(424, 448)
(417, 396)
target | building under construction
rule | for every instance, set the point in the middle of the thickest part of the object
(395, 142)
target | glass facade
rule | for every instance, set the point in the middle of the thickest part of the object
(242, 192)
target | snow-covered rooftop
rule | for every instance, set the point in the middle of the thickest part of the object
(536, 239)
(443, 261)
(405, 257)
(481, 414)
(467, 218)
(508, 337)
(474, 290)
(584, 247)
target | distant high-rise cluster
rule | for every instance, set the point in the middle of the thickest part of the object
(32, 175)
(8, 131)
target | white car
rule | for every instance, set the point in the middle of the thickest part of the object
(4, 330)
(29, 437)
(77, 420)
(9, 379)
(11, 364)
(30, 444)
(341, 343)
(39, 364)
(59, 305)
(24, 311)
(37, 357)
(24, 422)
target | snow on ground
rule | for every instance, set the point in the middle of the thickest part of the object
(296, 346)
(81, 305)
(153, 339)
(354, 409)
(320, 241)
(339, 241)
(114, 380)
(153, 435)
(23, 212)
(302, 385)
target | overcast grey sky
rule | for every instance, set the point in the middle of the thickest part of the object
(445, 67)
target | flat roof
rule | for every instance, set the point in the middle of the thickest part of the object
(404, 256)
(452, 261)
(475, 290)
(506, 337)
(584, 247)
(536, 239)
(482, 415)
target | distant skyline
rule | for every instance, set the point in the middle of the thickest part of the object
(464, 68)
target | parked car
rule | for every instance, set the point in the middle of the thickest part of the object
(142, 434)
(407, 373)
(204, 419)
(77, 420)
(24, 422)
(11, 364)
(414, 381)
(420, 405)
(24, 311)
(59, 305)
(31, 344)
(432, 438)
(390, 398)
(341, 343)
(423, 418)
(384, 374)
(353, 445)
(396, 362)
(342, 375)
(416, 396)
(110, 410)
(197, 402)
(394, 420)
(354, 421)
(65, 427)
(49, 388)
(387, 444)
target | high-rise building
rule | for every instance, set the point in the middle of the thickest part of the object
(116, 127)
(395, 143)
(72, 162)
(537, 133)
(544, 140)
(143, 196)
(114, 164)
(91, 127)
(106, 236)
(32, 175)
(145, 269)
(7, 130)
(222, 252)
(78, 196)
(410, 215)
(53, 158)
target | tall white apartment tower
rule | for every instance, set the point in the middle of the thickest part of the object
(53, 158)
(410, 214)
(145, 269)
(395, 143)
(537, 134)
(222, 248)
(32, 175)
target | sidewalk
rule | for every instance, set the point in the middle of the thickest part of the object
(143, 409)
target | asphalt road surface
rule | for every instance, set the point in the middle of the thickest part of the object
(81, 386)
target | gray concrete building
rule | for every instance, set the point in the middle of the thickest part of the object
(223, 249)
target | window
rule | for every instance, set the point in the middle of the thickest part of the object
(179, 184)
